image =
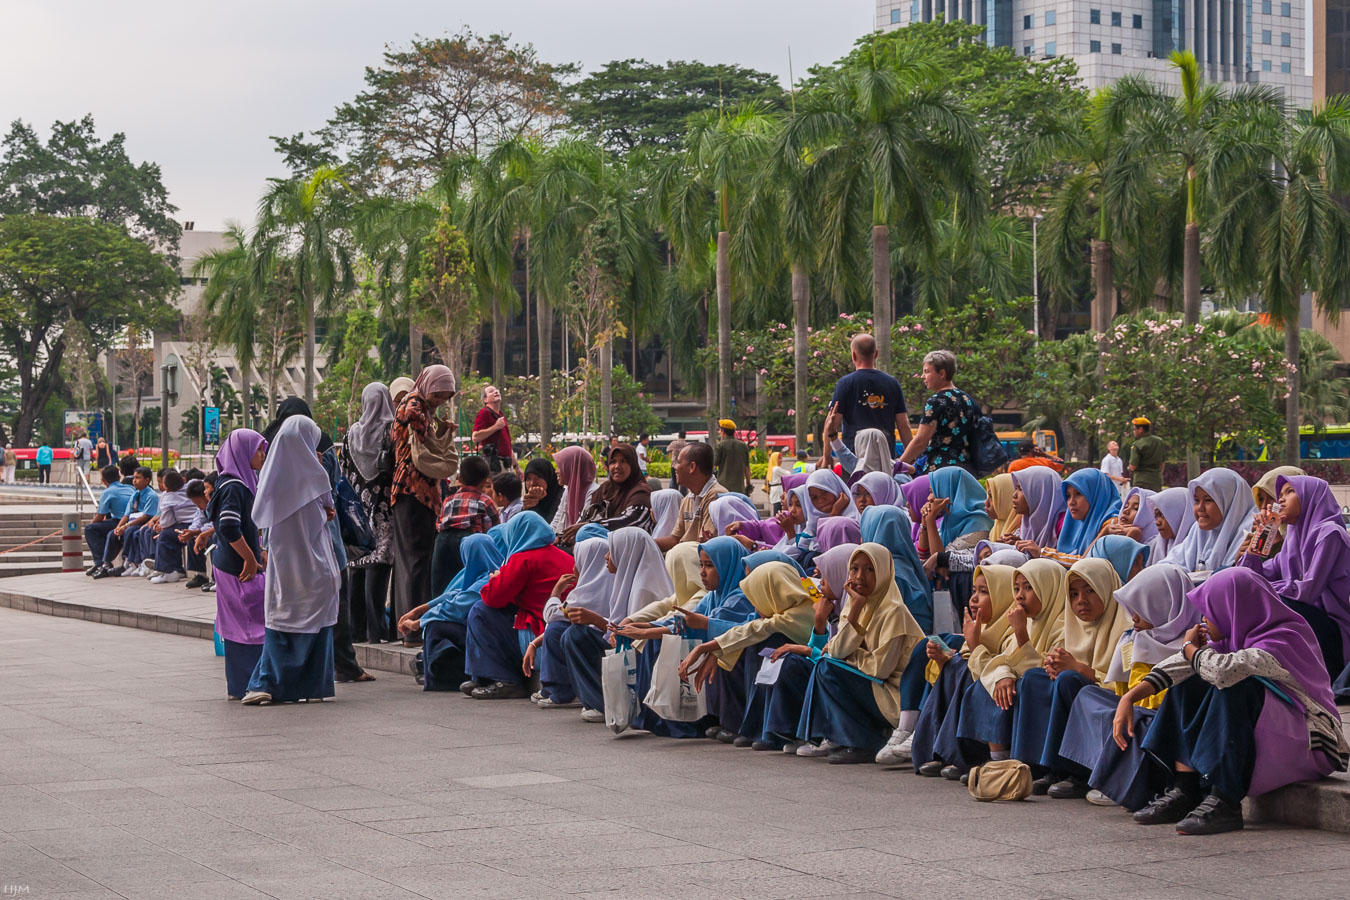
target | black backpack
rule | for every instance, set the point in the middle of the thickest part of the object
(987, 454)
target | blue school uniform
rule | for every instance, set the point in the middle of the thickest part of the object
(445, 623)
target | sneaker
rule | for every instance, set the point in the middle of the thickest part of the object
(1171, 806)
(1069, 789)
(815, 751)
(593, 716)
(791, 747)
(550, 703)
(256, 698)
(1214, 815)
(209, 587)
(128, 570)
(501, 690)
(850, 756)
(897, 749)
(195, 582)
(92, 569)
(167, 578)
(1097, 798)
(534, 698)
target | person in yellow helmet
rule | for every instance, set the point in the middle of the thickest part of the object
(1147, 455)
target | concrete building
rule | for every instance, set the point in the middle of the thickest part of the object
(1236, 41)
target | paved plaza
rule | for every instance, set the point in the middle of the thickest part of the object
(124, 773)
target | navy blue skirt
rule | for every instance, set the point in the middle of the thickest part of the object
(939, 715)
(240, 661)
(551, 661)
(1126, 776)
(295, 666)
(584, 648)
(779, 705)
(1211, 730)
(443, 655)
(982, 719)
(493, 652)
(728, 692)
(1041, 715)
(650, 721)
(913, 680)
(840, 707)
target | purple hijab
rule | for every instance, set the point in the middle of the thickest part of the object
(837, 530)
(1311, 566)
(915, 495)
(1244, 607)
(1044, 490)
(234, 456)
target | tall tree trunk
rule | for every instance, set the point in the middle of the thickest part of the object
(544, 319)
(414, 350)
(607, 387)
(498, 341)
(633, 340)
(881, 294)
(309, 348)
(529, 356)
(1190, 278)
(243, 377)
(761, 416)
(723, 325)
(1292, 340)
(710, 396)
(801, 317)
(1103, 269)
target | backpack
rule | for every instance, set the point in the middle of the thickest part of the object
(1006, 779)
(987, 454)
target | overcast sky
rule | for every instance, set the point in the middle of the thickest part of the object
(198, 87)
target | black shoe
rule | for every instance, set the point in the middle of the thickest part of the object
(965, 778)
(850, 756)
(1069, 789)
(195, 582)
(468, 687)
(764, 745)
(209, 587)
(92, 569)
(712, 732)
(726, 736)
(743, 741)
(1171, 806)
(951, 773)
(932, 769)
(107, 572)
(420, 679)
(501, 690)
(1214, 815)
(1041, 786)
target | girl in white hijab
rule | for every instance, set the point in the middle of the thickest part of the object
(1222, 504)
(1170, 512)
(370, 433)
(590, 587)
(666, 509)
(294, 503)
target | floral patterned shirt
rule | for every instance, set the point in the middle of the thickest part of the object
(953, 414)
(412, 417)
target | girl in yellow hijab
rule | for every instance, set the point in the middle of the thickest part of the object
(1093, 625)
(987, 634)
(998, 506)
(1036, 620)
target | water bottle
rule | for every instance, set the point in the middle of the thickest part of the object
(1269, 533)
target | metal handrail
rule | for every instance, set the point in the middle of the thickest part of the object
(79, 498)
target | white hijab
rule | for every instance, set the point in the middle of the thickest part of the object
(594, 589)
(302, 578)
(873, 450)
(640, 576)
(367, 435)
(730, 508)
(666, 509)
(1210, 551)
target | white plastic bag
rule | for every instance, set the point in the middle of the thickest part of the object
(618, 679)
(944, 615)
(672, 697)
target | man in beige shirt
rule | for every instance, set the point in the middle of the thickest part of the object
(693, 470)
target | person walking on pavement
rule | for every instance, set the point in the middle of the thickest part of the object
(1147, 455)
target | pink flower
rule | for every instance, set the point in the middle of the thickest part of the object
(903, 329)
(764, 371)
(791, 412)
(817, 353)
(918, 326)
(869, 321)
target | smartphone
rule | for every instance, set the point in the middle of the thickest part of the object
(936, 639)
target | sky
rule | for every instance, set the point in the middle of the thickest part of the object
(199, 87)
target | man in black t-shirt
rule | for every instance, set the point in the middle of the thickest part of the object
(868, 398)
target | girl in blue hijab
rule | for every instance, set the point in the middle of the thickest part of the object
(965, 511)
(445, 620)
(889, 526)
(1102, 499)
(1126, 555)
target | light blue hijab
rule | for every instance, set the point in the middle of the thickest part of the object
(1121, 552)
(1103, 497)
(966, 512)
(760, 557)
(527, 531)
(481, 558)
(590, 531)
(727, 606)
(889, 526)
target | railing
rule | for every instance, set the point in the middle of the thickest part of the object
(79, 495)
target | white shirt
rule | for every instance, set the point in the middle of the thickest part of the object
(642, 457)
(1113, 466)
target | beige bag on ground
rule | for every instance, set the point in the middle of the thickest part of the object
(436, 456)
(1006, 779)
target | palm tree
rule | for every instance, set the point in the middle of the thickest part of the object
(1281, 231)
(390, 232)
(887, 145)
(232, 297)
(306, 217)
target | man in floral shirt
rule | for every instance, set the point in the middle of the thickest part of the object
(947, 426)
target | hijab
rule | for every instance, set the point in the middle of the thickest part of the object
(292, 477)
(774, 589)
(876, 620)
(294, 406)
(620, 495)
(547, 507)
(1050, 582)
(367, 435)
(881, 487)
(1010, 557)
(1319, 521)
(832, 566)
(1095, 642)
(993, 545)
(730, 508)
(1246, 610)
(1000, 489)
(682, 567)
(481, 557)
(235, 456)
(727, 555)
(1143, 519)
(888, 526)
(1210, 551)
(1044, 493)
(873, 449)
(836, 530)
(760, 557)
(825, 480)
(1158, 596)
(666, 509)
(915, 494)
(594, 589)
(1175, 506)
(996, 631)
(576, 470)
(527, 530)
(1103, 498)
(640, 574)
(591, 531)
(1120, 551)
(435, 379)
(1267, 483)
(400, 385)
(966, 510)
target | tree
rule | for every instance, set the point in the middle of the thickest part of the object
(305, 218)
(445, 302)
(53, 270)
(80, 369)
(339, 402)
(630, 103)
(1281, 229)
(234, 292)
(136, 363)
(436, 99)
(631, 411)
(281, 325)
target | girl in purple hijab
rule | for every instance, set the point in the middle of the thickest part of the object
(1259, 715)
(1039, 498)
(915, 495)
(836, 530)
(1311, 573)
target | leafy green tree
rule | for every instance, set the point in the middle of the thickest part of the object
(234, 292)
(53, 270)
(582, 409)
(630, 103)
(446, 304)
(339, 401)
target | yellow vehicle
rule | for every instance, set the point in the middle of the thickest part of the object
(1046, 441)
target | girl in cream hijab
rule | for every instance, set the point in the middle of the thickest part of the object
(850, 701)
(998, 505)
(1093, 625)
(987, 635)
(1036, 620)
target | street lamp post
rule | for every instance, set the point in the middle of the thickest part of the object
(1035, 278)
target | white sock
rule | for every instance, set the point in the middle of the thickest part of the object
(908, 719)
(998, 755)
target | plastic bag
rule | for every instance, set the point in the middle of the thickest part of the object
(670, 696)
(618, 679)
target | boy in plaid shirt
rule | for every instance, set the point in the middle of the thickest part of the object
(469, 510)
